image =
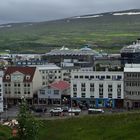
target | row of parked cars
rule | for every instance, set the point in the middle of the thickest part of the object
(59, 110)
(76, 111)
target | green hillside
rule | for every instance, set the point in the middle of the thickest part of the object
(108, 31)
(95, 127)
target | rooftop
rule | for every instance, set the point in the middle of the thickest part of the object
(60, 85)
(65, 51)
(132, 68)
(135, 47)
(24, 70)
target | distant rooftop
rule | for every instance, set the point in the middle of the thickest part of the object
(132, 68)
(48, 67)
(65, 51)
(135, 47)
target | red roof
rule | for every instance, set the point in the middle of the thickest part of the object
(60, 85)
(27, 71)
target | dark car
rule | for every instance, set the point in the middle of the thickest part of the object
(65, 108)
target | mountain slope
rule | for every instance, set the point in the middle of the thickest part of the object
(106, 30)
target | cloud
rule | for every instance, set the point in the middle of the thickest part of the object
(41, 10)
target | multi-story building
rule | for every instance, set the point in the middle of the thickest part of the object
(1, 91)
(21, 82)
(49, 73)
(131, 54)
(80, 57)
(132, 86)
(101, 89)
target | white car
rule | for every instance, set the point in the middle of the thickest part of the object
(56, 110)
(74, 110)
(95, 111)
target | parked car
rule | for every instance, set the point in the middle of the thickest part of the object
(76, 111)
(65, 108)
(95, 111)
(56, 111)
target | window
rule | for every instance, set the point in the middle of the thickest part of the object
(42, 92)
(86, 77)
(43, 83)
(81, 76)
(74, 85)
(83, 95)
(76, 76)
(83, 85)
(92, 77)
(110, 95)
(119, 86)
(119, 77)
(56, 92)
(7, 76)
(75, 94)
(100, 90)
(27, 77)
(102, 77)
(92, 87)
(110, 88)
(108, 77)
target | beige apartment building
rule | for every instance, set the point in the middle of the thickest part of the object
(21, 82)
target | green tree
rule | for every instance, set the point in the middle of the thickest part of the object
(28, 127)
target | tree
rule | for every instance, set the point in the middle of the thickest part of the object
(28, 127)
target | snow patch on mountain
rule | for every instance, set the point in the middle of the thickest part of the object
(128, 13)
(88, 16)
(5, 26)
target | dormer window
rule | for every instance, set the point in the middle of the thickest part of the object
(7, 77)
(27, 77)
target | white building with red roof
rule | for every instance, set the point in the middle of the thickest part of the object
(55, 93)
(21, 82)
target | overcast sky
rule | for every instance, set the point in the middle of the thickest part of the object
(42, 10)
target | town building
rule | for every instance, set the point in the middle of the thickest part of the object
(96, 88)
(1, 92)
(21, 82)
(79, 57)
(56, 93)
(30, 62)
(49, 73)
(132, 86)
(131, 54)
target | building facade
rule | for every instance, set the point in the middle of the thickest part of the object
(1, 91)
(132, 85)
(57, 93)
(49, 73)
(101, 89)
(21, 82)
(131, 54)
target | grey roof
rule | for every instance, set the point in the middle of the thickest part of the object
(135, 47)
(66, 51)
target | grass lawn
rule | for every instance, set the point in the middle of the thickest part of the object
(98, 127)
(113, 127)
